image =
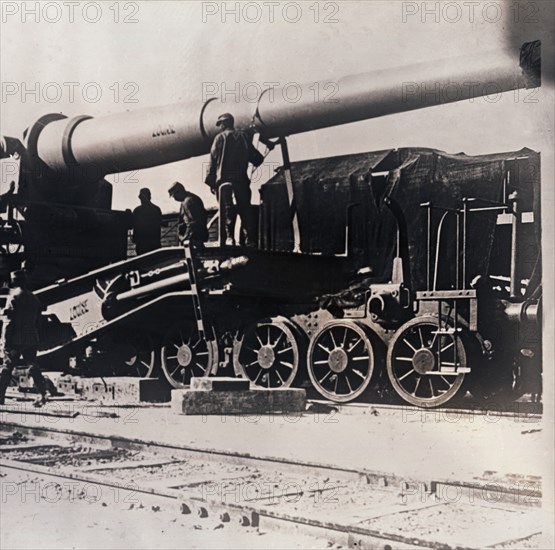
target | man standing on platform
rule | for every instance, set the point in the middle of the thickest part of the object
(192, 216)
(147, 220)
(230, 155)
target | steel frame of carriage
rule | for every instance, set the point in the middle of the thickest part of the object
(428, 352)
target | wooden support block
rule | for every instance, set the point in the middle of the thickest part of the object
(68, 385)
(126, 389)
(253, 401)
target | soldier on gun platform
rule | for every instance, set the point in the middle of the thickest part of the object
(20, 338)
(147, 219)
(230, 155)
(192, 216)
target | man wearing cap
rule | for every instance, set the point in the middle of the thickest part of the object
(20, 338)
(192, 216)
(147, 219)
(230, 155)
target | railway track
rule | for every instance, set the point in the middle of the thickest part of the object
(522, 408)
(354, 508)
(514, 409)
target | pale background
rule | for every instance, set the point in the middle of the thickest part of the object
(170, 52)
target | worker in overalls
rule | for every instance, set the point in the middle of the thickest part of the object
(19, 339)
(192, 224)
(231, 153)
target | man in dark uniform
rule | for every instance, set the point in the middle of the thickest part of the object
(20, 336)
(147, 219)
(192, 216)
(230, 155)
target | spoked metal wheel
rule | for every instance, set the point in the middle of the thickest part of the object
(185, 354)
(341, 360)
(140, 357)
(422, 363)
(267, 353)
(130, 354)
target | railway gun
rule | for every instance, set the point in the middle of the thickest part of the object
(407, 270)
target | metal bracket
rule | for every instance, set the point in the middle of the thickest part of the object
(194, 290)
(290, 194)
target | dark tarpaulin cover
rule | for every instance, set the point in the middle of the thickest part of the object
(323, 190)
(335, 192)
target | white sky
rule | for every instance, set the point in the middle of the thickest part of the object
(170, 52)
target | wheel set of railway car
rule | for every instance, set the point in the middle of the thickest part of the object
(430, 358)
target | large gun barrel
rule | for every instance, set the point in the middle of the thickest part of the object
(153, 136)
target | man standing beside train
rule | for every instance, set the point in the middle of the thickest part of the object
(20, 337)
(231, 152)
(192, 225)
(147, 220)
